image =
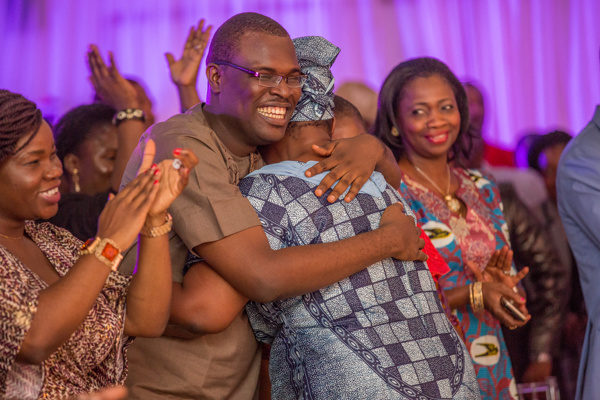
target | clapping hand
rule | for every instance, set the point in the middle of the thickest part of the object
(498, 283)
(108, 82)
(184, 72)
(173, 178)
(498, 269)
(125, 213)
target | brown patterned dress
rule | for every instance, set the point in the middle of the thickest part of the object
(92, 358)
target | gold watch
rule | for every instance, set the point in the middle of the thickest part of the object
(154, 231)
(105, 250)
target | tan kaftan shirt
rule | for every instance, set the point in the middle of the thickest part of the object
(216, 366)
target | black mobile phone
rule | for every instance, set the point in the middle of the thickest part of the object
(510, 307)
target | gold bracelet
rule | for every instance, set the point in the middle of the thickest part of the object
(154, 231)
(104, 250)
(471, 296)
(477, 303)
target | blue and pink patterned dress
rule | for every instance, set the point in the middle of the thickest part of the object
(472, 238)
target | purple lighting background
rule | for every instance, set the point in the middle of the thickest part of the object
(537, 60)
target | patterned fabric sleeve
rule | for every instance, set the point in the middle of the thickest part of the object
(18, 305)
(116, 284)
(115, 289)
(94, 355)
(261, 191)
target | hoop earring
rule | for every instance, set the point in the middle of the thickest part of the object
(394, 131)
(75, 179)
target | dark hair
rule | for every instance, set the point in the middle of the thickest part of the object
(227, 38)
(18, 117)
(343, 108)
(392, 90)
(543, 142)
(294, 126)
(74, 127)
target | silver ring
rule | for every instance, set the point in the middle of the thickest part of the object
(506, 272)
(177, 164)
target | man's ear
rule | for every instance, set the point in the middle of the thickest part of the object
(213, 75)
(71, 163)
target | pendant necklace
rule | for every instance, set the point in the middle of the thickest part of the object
(451, 201)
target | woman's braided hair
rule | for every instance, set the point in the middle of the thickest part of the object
(18, 117)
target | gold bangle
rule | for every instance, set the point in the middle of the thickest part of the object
(105, 250)
(471, 296)
(154, 231)
(477, 303)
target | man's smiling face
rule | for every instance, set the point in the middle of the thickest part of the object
(263, 112)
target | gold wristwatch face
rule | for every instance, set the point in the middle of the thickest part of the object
(109, 251)
(104, 250)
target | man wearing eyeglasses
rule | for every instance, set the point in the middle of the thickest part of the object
(254, 85)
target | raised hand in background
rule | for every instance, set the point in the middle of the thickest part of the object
(184, 71)
(120, 94)
(109, 84)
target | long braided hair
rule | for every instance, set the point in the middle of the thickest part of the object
(19, 117)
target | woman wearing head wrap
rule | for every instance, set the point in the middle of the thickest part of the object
(381, 333)
(66, 316)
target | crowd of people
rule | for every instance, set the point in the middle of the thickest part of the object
(289, 239)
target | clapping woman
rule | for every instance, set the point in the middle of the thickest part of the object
(421, 117)
(66, 316)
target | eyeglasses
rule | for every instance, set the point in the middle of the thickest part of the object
(269, 80)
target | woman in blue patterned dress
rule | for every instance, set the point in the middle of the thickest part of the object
(422, 115)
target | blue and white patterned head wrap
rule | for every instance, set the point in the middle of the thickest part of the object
(315, 56)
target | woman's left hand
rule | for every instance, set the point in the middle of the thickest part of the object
(350, 161)
(498, 271)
